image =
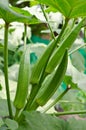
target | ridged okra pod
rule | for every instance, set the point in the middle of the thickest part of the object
(42, 62)
(54, 82)
(66, 43)
(23, 80)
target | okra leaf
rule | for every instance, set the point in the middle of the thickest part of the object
(62, 5)
(32, 19)
(36, 120)
(70, 9)
(12, 124)
(4, 108)
(10, 15)
(78, 124)
(79, 10)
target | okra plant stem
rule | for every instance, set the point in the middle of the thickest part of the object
(52, 34)
(85, 34)
(63, 29)
(6, 69)
(25, 36)
(70, 113)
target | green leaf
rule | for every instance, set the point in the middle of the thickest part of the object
(70, 9)
(72, 101)
(1, 122)
(74, 3)
(77, 77)
(79, 10)
(31, 19)
(12, 124)
(4, 127)
(78, 61)
(9, 15)
(76, 124)
(68, 81)
(39, 121)
(3, 108)
(62, 5)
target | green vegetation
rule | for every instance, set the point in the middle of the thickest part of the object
(41, 78)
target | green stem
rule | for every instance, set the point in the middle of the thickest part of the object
(25, 36)
(16, 114)
(70, 113)
(6, 69)
(63, 29)
(56, 100)
(52, 34)
(85, 34)
(33, 93)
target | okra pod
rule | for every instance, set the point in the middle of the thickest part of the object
(66, 43)
(23, 81)
(42, 62)
(54, 83)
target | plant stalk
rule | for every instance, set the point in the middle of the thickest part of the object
(85, 34)
(6, 69)
(25, 36)
(52, 34)
(70, 113)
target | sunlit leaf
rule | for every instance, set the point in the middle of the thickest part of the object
(63, 6)
(9, 15)
(70, 9)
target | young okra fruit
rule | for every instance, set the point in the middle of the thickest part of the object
(54, 82)
(66, 43)
(23, 80)
(42, 62)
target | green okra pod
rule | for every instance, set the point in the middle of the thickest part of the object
(66, 43)
(40, 65)
(23, 81)
(54, 82)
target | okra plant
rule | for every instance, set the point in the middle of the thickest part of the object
(37, 86)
